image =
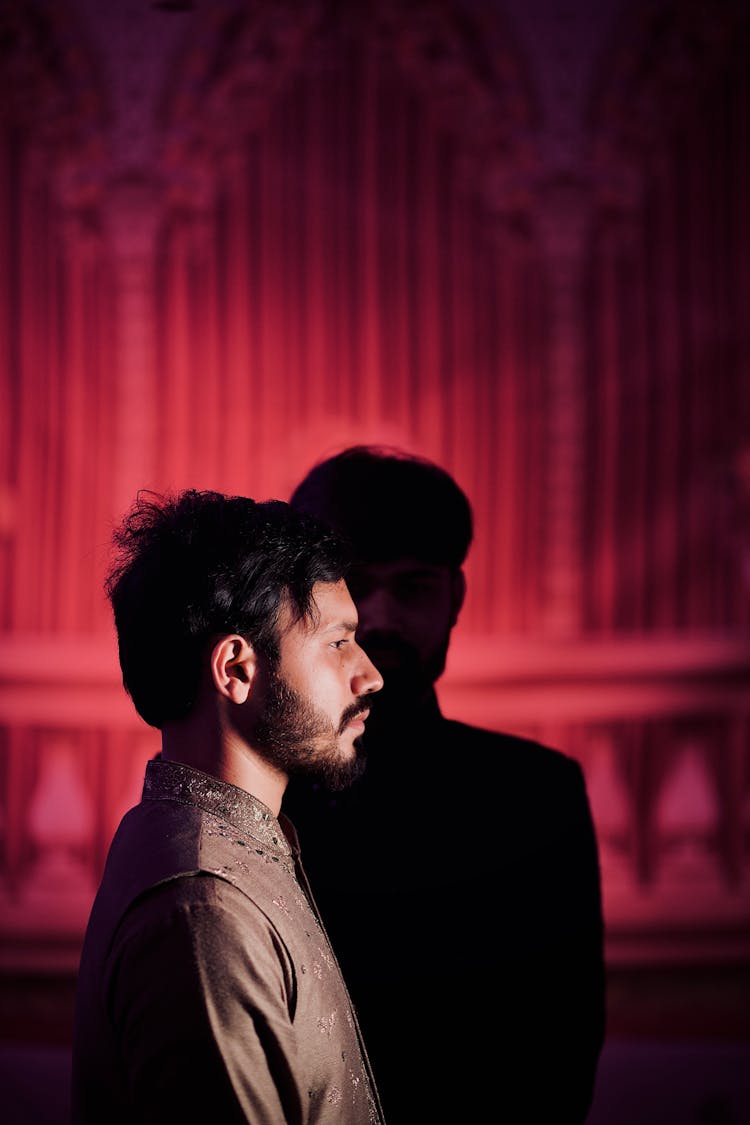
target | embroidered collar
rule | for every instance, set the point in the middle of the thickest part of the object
(173, 781)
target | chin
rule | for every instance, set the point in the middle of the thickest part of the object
(352, 749)
(344, 775)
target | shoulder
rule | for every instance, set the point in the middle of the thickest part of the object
(162, 840)
(513, 755)
(193, 951)
(171, 861)
(201, 914)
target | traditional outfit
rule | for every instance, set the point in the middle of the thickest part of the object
(207, 984)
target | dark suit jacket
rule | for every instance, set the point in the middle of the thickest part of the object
(459, 882)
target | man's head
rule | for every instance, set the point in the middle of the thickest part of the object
(410, 527)
(214, 595)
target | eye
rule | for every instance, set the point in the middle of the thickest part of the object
(340, 644)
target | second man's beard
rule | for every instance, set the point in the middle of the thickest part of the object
(408, 679)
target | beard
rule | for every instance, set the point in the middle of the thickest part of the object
(298, 738)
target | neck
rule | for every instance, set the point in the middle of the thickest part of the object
(207, 745)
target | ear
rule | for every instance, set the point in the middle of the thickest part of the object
(233, 663)
(458, 593)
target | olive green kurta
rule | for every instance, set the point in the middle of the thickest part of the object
(207, 984)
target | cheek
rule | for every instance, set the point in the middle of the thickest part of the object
(325, 691)
(298, 669)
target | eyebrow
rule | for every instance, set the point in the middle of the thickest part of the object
(347, 626)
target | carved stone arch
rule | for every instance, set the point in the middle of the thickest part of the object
(53, 97)
(465, 64)
(346, 253)
(668, 289)
(663, 58)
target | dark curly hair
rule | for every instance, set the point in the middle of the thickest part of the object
(198, 565)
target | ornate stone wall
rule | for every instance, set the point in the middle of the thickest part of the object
(237, 237)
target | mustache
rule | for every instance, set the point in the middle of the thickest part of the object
(353, 711)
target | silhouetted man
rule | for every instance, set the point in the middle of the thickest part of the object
(459, 876)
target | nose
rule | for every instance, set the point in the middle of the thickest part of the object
(366, 679)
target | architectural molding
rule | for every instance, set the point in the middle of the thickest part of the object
(239, 59)
(664, 56)
(52, 92)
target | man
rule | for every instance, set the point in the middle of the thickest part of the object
(459, 876)
(208, 990)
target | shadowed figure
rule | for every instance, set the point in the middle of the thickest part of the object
(458, 877)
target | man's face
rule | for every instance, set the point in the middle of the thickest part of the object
(407, 609)
(317, 696)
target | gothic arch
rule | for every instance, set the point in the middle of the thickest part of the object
(466, 66)
(663, 60)
(349, 223)
(668, 290)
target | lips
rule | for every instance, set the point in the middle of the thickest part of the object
(354, 718)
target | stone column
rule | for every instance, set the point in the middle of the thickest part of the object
(563, 223)
(132, 220)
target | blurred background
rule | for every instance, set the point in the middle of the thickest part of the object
(510, 235)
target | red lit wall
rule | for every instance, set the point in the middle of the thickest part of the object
(239, 240)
